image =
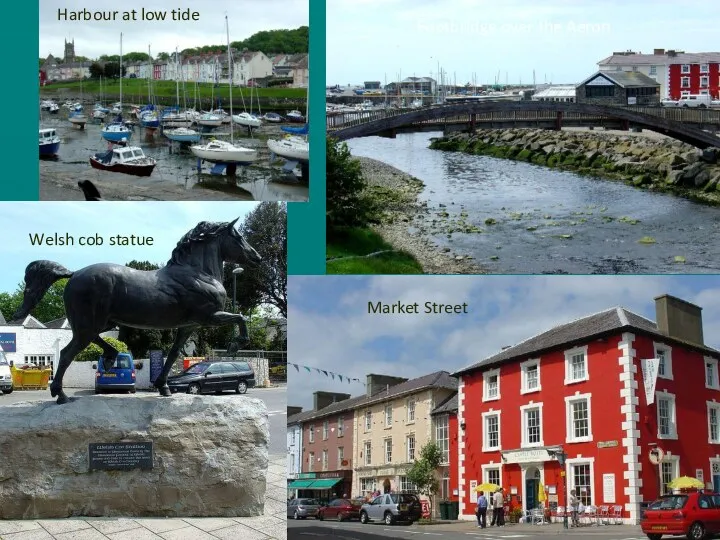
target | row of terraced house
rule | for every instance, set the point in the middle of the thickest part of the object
(207, 68)
(613, 406)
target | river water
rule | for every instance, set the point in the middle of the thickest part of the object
(176, 165)
(516, 218)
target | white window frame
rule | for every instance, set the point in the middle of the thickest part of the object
(668, 359)
(673, 415)
(388, 414)
(387, 451)
(704, 68)
(491, 467)
(340, 456)
(570, 463)
(486, 438)
(704, 81)
(311, 461)
(569, 425)
(367, 449)
(326, 430)
(523, 422)
(568, 364)
(714, 370)
(442, 427)
(368, 420)
(653, 70)
(668, 458)
(684, 82)
(411, 406)
(325, 460)
(716, 407)
(524, 368)
(685, 68)
(684, 93)
(408, 437)
(486, 376)
(340, 426)
(311, 433)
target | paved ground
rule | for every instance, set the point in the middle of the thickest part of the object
(270, 525)
(306, 529)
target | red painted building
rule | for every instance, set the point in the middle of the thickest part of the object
(579, 390)
(695, 78)
(43, 78)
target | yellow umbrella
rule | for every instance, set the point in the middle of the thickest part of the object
(685, 482)
(487, 486)
(541, 493)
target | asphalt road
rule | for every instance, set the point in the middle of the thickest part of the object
(275, 400)
(309, 529)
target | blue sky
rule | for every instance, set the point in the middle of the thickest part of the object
(166, 222)
(560, 39)
(329, 326)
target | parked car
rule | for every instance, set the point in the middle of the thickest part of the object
(392, 507)
(6, 381)
(667, 102)
(695, 100)
(213, 377)
(121, 376)
(695, 514)
(302, 508)
(715, 103)
(340, 509)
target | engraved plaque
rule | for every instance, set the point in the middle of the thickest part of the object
(122, 456)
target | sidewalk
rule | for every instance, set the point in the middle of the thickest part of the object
(526, 528)
(270, 525)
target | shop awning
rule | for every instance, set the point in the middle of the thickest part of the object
(300, 484)
(325, 483)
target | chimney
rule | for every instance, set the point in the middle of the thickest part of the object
(659, 52)
(679, 319)
(323, 399)
(293, 410)
(378, 383)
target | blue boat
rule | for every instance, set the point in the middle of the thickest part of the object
(49, 142)
(116, 132)
(296, 131)
(149, 119)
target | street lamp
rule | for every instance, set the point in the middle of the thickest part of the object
(561, 456)
(236, 272)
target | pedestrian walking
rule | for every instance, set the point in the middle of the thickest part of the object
(499, 504)
(574, 507)
(481, 510)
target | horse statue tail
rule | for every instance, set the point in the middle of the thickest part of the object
(39, 276)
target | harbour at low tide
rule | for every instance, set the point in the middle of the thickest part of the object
(176, 176)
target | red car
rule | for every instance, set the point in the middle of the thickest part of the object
(695, 514)
(340, 509)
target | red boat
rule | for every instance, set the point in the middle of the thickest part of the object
(128, 160)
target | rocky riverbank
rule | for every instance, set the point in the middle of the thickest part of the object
(655, 164)
(403, 223)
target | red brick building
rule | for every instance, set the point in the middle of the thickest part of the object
(579, 390)
(700, 77)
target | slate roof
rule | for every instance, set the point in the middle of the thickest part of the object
(578, 332)
(450, 405)
(439, 379)
(625, 79)
(660, 59)
(57, 323)
(556, 91)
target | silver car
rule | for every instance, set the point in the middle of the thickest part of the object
(392, 507)
(302, 508)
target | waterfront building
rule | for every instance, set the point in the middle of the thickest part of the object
(679, 73)
(565, 93)
(615, 394)
(618, 88)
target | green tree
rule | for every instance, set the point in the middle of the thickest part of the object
(349, 205)
(51, 307)
(93, 352)
(423, 472)
(265, 228)
(96, 70)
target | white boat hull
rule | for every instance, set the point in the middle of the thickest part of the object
(245, 119)
(292, 149)
(224, 152)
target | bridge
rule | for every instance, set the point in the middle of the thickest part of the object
(697, 127)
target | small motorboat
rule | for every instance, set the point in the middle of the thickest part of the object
(49, 142)
(209, 120)
(127, 159)
(295, 116)
(78, 119)
(54, 108)
(247, 119)
(149, 120)
(224, 152)
(99, 114)
(273, 117)
(116, 132)
(182, 135)
(291, 148)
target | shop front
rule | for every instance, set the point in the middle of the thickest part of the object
(323, 486)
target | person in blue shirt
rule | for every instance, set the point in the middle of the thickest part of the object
(481, 510)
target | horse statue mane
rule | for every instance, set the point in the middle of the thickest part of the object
(202, 232)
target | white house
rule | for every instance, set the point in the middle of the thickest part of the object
(294, 445)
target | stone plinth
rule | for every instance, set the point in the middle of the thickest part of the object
(210, 457)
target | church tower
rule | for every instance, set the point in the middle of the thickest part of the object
(69, 51)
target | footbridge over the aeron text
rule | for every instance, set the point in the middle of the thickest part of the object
(698, 127)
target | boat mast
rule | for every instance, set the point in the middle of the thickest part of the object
(177, 80)
(121, 73)
(230, 73)
(150, 76)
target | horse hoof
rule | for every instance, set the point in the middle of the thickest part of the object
(165, 391)
(54, 391)
(62, 399)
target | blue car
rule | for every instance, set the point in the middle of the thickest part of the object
(121, 376)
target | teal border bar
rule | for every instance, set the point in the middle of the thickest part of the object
(21, 168)
(306, 221)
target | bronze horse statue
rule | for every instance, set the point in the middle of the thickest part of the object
(186, 294)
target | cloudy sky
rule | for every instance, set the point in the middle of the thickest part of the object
(166, 222)
(329, 326)
(93, 39)
(562, 40)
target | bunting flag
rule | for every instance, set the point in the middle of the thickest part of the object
(332, 374)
